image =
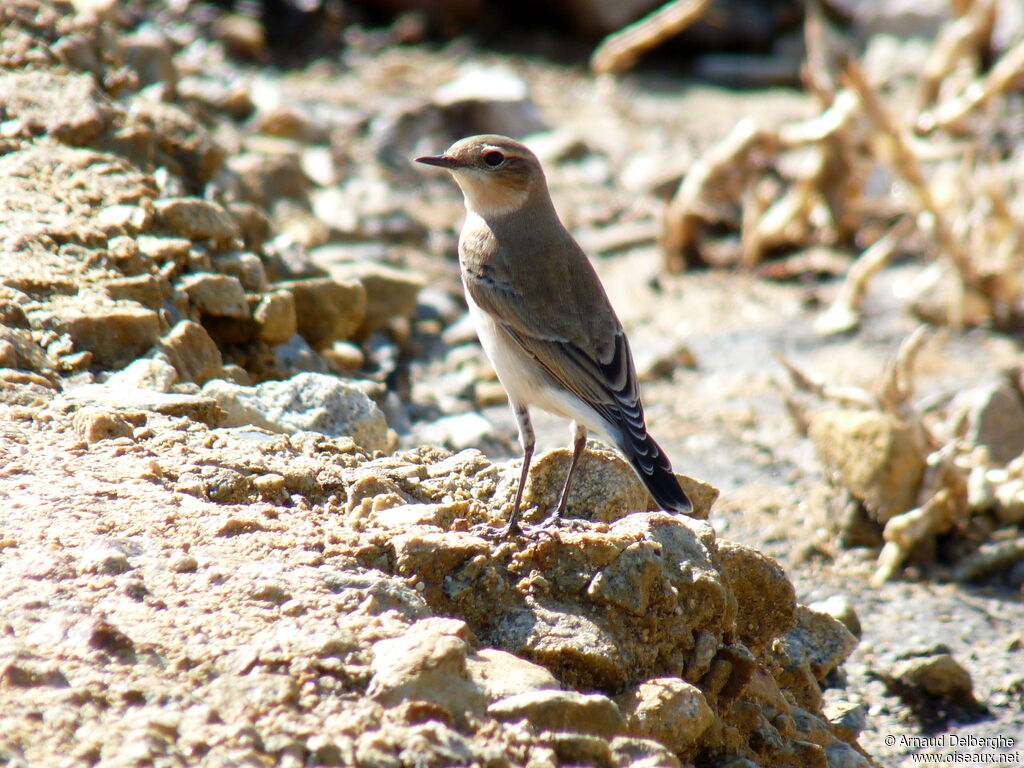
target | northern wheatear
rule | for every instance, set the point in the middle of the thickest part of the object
(543, 317)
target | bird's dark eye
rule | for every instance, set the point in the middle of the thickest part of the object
(494, 158)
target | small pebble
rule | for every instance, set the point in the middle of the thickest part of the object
(185, 564)
(839, 607)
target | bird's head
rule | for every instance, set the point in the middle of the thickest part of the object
(497, 175)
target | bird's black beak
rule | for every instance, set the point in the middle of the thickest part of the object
(441, 161)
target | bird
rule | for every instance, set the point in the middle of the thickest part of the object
(544, 319)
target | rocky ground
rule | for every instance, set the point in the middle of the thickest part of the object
(253, 462)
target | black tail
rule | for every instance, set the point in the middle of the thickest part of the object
(655, 470)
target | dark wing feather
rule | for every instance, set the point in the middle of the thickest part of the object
(597, 369)
(590, 359)
(611, 390)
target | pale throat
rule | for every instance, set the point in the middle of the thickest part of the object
(490, 197)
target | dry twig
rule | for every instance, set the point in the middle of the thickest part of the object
(843, 314)
(1005, 75)
(964, 38)
(895, 145)
(719, 174)
(896, 388)
(847, 396)
(805, 184)
(991, 558)
(903, 532)
(723, 174)
(621, 50)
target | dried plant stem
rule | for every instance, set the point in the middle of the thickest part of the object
(967, 36)
(838, 117)
(847, 396)
(991, 558)
(903, 532)
(621, 50)
(770, 228)
(719, 172)
(896, 389)
(898, 381)
(843, 313)
(1004, 76)
(897, 146)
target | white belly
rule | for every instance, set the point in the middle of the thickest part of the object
(525, 381)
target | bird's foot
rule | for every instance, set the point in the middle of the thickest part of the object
(513, 529)
(516, 531)
(551, 521)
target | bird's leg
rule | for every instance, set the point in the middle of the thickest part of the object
(526, 437)
(579, 445)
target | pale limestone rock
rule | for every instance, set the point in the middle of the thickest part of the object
(112, 396)
(123, 219)
(405, 516)
(390, 292)
(115, 332)
(642, 753)
(22, 351)
(275, 317)
(196, 219)
(839, 754)
(427, 663)
(627, 582)
(765, 598)
(164, 250)
(148, 290)
(500, 674)
(308, 401)
(212, 294)
(8, 354)
(846, 719)
(327, 310)
(247, 267)
(66, 106)
(562, 711)
(992, 415)
(249, 696)
(839, 607)
(146, 373)
(558, 637)
(668, 710)
(495, 96)
(94, 424)
(605, 488)
(873, 454)
(939, 676)
(826, 641)
(458, 432)
(194, 355)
